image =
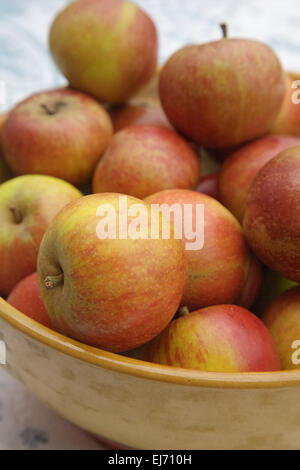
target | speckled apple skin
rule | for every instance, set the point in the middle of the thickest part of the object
(117, 294)
(142, 160)
(240, 169)
(283, 320)
(288, 119)
(272, 216)
(67, 144)
(222, 93)
(222, 338)
(26, 297)
(38, 198)
(218, 272)
(106, 48)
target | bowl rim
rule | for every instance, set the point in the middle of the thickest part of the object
(142, 369)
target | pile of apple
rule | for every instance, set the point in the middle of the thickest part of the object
(98, 136)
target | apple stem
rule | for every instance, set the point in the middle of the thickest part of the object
(53, 281)
(16, 215)
(183, 311)
(224, 28)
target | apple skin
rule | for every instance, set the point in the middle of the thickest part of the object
(38, 135)
(105, 48)
(233, 91)
(116, 294)
(142, 114)
(221, 338)
(5, 172)
(26, 297)
(283, 320)
(288, 119)
(35, 200)
(272, 218)
(209, 185)
(142, 160)
(217, 273)
(240, 169)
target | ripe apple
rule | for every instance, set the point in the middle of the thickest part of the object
(283, 320)
(222, 338)
(142, 160)
(5, 172)
(221, 271)
(288, 119)
(105, 48)
(272, 217)
(61, 133)
(142, 114)
(239, 170)
(209, 185)
(222, 93)
(27, 205)
(113, 293)
(26, 297)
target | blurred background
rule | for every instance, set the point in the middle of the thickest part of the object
(26, 67)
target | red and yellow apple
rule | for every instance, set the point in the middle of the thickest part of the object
(222, 93)
(142, 160)
(150, 113)
(61, 133)
(27, 205)
(26, 297)
(222, 338)
(5, 172)
(105, 48)
(240, 169)
(220, 271)
(272, 216)
(288, 119)
(283, 320)
(107, 289)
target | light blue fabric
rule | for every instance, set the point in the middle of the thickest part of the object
(26, 65)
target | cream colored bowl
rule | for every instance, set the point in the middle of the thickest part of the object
(148, 406)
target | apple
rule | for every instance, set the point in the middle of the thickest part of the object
(283, 320)
(5, 172)
(209, 185)
(61, 133)
(272, 217)
(240, 169)
(27, 205)
(110, 290)
(221, 338)
(142, 160)
(26, 297)
(222, 270)
(105, 48)
(142, 114)
(288, 119)
(272, 286)
(222, 93)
